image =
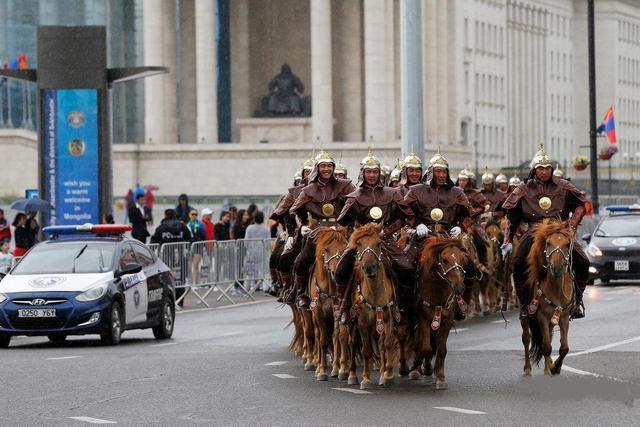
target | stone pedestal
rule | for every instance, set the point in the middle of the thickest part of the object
(274, 130)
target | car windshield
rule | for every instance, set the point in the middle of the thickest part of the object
(62, 258)
(623, 226)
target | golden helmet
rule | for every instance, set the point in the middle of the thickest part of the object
(541, 159)
(558, 172)
(465, 174)
(487, 177)
(324, 157)
(370, 161)
(309, 164)
(514, 181)
(438, 161)
(340, 168)
(501, 179)
(412, 161)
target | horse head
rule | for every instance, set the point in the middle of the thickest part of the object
(551, 250)
(368, 244)
(445, 259)
(330, 244)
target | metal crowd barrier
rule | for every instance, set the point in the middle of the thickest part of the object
(231, 267)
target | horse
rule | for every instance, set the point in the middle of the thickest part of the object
(375, 307)
(553, 296)
(466, 238)
(440, 286)
(330, 244)
(495, 266)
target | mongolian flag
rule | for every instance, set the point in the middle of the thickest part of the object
(608, 126)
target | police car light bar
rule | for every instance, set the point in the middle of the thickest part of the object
(102, 229)
(623, 208)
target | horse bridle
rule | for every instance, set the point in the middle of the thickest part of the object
(359, 254)
(567, 257)
(443, 274)
(337, 256)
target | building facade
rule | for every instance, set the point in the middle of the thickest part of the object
(499, 78)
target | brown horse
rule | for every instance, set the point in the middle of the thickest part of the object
(375, 307)
(550, 282)
(330, 244)
(495, 266)
(441, 285)
(475, 306)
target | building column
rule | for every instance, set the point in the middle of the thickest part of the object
(430, 71)
(186, 73)
(206, 88)
(321, 81)
(378, 71)
(159, 34)
(240, 95)
(443, 71)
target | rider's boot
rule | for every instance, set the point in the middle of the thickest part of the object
(300, 286)
(578, 309)
(275, 283)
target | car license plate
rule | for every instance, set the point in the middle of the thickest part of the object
(621, 265)
(37, 312)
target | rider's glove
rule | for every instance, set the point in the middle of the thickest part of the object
(422, 230)
(289, 245)
(455, 231)
(305, 230)
(506, 249)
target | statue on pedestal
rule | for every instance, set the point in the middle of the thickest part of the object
(285, 97)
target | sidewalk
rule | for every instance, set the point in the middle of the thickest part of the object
(192, 302)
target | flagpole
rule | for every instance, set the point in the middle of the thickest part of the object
(592, 107)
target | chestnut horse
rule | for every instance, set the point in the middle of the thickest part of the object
(440, 287)
(375, 307)
(492, 286)
(551, 285)
(330, 244)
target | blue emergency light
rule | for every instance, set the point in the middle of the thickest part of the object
(101, 229)
(623, 208)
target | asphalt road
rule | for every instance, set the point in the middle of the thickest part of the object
(231, 367)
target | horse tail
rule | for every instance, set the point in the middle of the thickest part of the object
(356, 340)
(536, 340)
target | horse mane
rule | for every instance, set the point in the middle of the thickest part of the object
(369, 230)
(429, 256)
(326, 236)
(535, 258)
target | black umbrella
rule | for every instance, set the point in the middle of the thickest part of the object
(31, 205)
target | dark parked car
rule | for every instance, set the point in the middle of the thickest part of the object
(614, 246)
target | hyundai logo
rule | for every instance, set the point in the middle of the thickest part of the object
(38, 301)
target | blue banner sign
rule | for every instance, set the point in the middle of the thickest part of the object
(71, 155)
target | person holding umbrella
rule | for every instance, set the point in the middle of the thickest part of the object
(21, 235)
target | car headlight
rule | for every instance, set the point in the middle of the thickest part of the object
(3, 298)
(593, 250)
(93, 294)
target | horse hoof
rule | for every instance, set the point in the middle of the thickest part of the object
(414, 375)
(366, 384)
(404, 372)
(309, 366)
(334, 374)
(527, 374)
(429, 379)
(343, 376)
(322, 377)
(441, 385)
(387, 381)
(353, 380)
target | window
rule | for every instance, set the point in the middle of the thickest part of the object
(143, 255)
(127, 255)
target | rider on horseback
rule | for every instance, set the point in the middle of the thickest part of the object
(322, 199)
(544, 196)
(373, 202)
(502, 183)
(494, 196)
(479, 205)
(411, 173)
(439, 206)
(281, 260)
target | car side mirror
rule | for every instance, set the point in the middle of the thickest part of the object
(586, 237)
(132, 268)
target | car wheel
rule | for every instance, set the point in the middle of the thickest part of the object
(5, 340)
(57, 338)
(164, 330)
(115, 324)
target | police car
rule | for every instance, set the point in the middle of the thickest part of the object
(87, 279)
(614, 246)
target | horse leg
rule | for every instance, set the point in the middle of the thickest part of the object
(353, 377)
(526, 340)
(423, 347)
(298, 336)
(403, 337)
(547, 335)
(389, 344)
(441, 354)
(336, 354)
(344, 343)
(564, 345)
(309, 340)
(367, 353)
(321, 344)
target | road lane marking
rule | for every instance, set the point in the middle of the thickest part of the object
(460, 330)
(592, 374)
(283, 376)
(277, 363)
(241, 304)
(352, 390)
(164, 344)
(231, 334)
(460, 410)
(497, 321)
(92, 420)
(63, 358)
(604, 347)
